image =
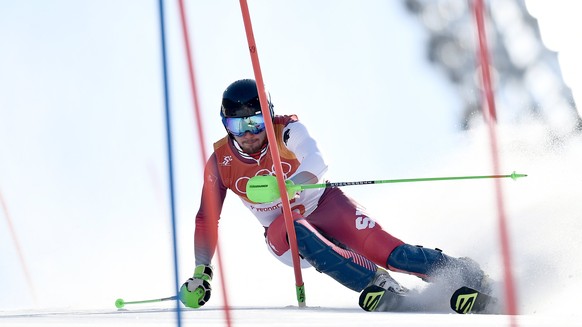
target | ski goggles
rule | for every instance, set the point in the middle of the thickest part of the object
(239, 126)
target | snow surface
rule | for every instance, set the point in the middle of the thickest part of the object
(271, 316)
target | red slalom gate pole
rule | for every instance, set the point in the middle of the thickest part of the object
(213, 205)
(490, 115)
(18, 249)
(300, 288)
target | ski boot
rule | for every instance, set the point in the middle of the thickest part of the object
(383, 294)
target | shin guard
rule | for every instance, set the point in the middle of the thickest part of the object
(433, 265)
(347, 267)
(416, 260)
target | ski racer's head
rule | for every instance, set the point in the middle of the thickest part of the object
(242, 116)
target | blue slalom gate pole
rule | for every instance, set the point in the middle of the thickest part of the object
(170, 161)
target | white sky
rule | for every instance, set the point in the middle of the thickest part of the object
(82, 140)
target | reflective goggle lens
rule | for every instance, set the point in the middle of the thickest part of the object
(239, 126)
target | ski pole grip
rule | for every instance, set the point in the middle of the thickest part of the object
(264, 189)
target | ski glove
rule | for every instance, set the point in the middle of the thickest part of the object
(195, 292)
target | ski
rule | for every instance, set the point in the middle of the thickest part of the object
(467, 300)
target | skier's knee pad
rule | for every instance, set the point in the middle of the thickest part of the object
(278, 243)
(347, 267)
(416, 260)
(276, 236)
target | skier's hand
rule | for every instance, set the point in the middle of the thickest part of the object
(195, 292)
(292, 192)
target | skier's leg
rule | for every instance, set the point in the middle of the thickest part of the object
(340, 218)
(347, 267)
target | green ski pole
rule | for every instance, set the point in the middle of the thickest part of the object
(264, 189)
(120, 303)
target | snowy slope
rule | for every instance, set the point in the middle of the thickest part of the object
(273, 316)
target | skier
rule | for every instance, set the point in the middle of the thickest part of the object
(334, 234)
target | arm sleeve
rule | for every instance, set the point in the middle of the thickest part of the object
(298, 140)
(206, 232)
